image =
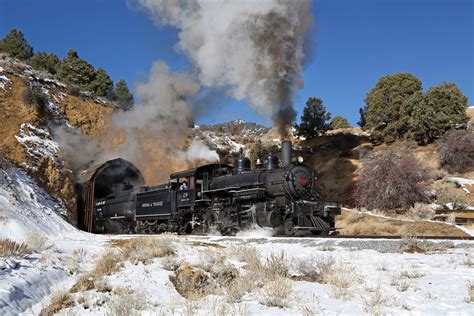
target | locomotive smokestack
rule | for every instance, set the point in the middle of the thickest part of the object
(286, 153)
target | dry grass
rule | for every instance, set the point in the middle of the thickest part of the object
(342, 278)
(36, 242)
(401, 284)
(10, 248)
(241, 286)
(245, 254)
(313, 269)
(368, 225)
(144, 249)
(170, 263)
(107, 264)
(375, 300)
(127, 303)
(192, 283)
(59, 301)
(277, 293)
(420, 211)
(470, 292)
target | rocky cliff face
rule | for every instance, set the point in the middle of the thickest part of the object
(26, 137)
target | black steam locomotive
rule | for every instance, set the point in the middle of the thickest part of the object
(216, 197)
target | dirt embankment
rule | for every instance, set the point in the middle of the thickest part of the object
(353, 223)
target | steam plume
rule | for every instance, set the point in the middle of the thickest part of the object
(151, 135)
(254, 49)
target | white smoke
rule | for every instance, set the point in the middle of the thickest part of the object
(199, 151)
(152, 135)
(254, 49)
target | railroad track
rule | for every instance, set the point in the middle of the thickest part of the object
(336, 237)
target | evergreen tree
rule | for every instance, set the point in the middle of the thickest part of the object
(389, 105)
(43, 61)
(123, 96)
(361, 121)
(15, 45)
(442, 108)
(339, 122)
(102, 83)
(314, 119)
(76, 71)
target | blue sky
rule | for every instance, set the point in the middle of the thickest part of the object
(356, 42)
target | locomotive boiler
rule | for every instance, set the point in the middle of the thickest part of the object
(216, 197)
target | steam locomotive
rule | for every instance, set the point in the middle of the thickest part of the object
(217, 197)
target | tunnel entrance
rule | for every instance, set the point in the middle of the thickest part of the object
(100, 181)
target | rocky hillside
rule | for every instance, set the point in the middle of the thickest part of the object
(27, 138)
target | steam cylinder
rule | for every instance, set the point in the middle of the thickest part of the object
(286, 153)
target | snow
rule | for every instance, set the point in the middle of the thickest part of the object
(38, 143)
(4, 81)
(437, 281)
(28, 212)
(460, 181)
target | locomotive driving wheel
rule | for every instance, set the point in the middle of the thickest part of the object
(289, 227)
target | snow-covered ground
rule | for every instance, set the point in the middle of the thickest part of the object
(315, 276)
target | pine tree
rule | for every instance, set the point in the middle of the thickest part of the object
(389, 105)
(314, 119)
(441, 109)
(15, 45)
(102, 83)
(123, 96)
(339, 122)
(43, 61)
(76, 71)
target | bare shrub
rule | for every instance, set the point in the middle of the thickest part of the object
(34, 96)
(456, 151)
(214, 263)
(88, 281)
(411, 273)
(127, 304)
(421, 211)
(470, 292)
(314, 269)
(59, 301)
(401, 284)
(36, 242)
(390, 181)
(276, 265)
(277, 293)
(451, 197)
(170, 263)
(241, 286)
(191, 282)
(375, 300)
(342, 278)
(107, 264)
(10, 248)
(246, 254)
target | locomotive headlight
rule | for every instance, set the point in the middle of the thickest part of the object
(300, 159)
